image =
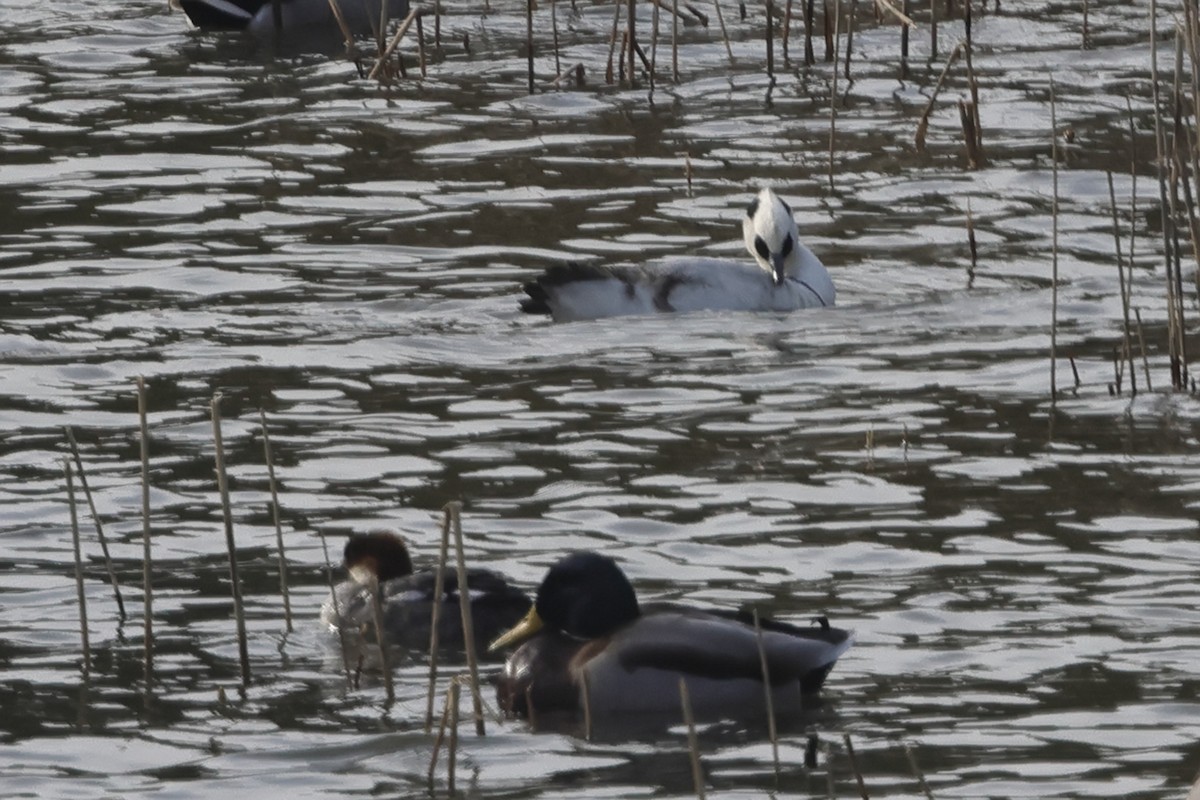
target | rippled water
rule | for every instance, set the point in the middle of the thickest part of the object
(1022, 578)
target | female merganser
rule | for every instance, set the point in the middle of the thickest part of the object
(407, 597)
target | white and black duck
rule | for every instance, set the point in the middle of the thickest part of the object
(784, 276)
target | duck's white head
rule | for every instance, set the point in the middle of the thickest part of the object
(771, 234)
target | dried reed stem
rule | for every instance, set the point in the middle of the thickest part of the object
(351, 48)
(675, 41)
(770, 32)
(725, 32)
(1054, 249)
(862, 786)
(87, 493)
(283, 570)
(529, 40)
(923, 124)
(554, 34)
(586, 695)
(82, 598)
(464, 602)
(933, 30)
(654, 23)
(833, 95)
(809, 16)
(1142, 346)
(452, 760)
(787, 32)
(1127, 352)
(441, 737)
(612, 41)
(421, 64)
(850, 18)
(393, 44)
(689, 720)
(916, 771)
(631, 27)
(973, 245)
(227, 514)
(904, 44)
(439, 592)
(770, 700)
(337, 611)
(389, 685)
(147, 560)
(902, 16)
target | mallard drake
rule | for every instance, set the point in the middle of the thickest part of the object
(586, 627)
(407, 597)
(784, 276)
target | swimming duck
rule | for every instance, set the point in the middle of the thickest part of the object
(408, 597)
(784, 276)
(299, 20)
(586, 626)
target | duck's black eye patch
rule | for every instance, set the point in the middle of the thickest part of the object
(761, 248)
(752, 209)
(787, 245)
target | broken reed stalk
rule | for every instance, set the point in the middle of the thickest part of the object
(654, 23)
(862, 785)
(973, 245)
(631, 28)
(529, 40)
(1086, 34)
(771, 42)
(239, 613)
(1142, 347)
(828, 771)
(1127, 345)
(837, 7)
(82, 597)
(827, 29)
(351, 48)
(923, 124)
(770, 700)
(337, 612)
(454, 508)
(725, 32)
(452, 758)
(87, 493)
(902, 16)
(612, 41)
(973, 86)
(439, 593)
(809, 16)
(441, 737)
(421, 63)
(147, 561)
(916, 771)
(385, 662)
(283, 573)
(904, 44)
(1054, 249)
(933, 30)
(586, 695)
(530, 711)
(850, 34)
(1078, 382)
(393, 44)
(554, 34)
(787, 31)
(437, 25)
(675, 41)
(689, 720)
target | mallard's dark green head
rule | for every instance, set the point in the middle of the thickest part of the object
(584, 595)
